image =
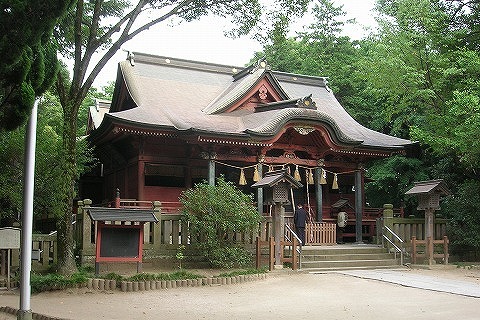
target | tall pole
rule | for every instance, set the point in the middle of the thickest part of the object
(358, 206)
(211, 172)
(319, 195)
(260, 192)
(25, 312)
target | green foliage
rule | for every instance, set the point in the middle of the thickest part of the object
(49, 158)
(229, 256)
(215, 214)
(29, 59)
(244, 272)
(177, 275)
(463, 210)
(391, 178)
(180, 255)
(453, 131)
(53, 281)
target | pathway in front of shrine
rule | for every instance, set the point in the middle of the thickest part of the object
(283, 295)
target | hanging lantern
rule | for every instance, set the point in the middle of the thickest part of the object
(335, 181)
(296, 174)
(310, 177)
(242, 180)
(256, 175)
(323, 177)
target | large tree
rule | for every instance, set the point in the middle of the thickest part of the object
(97, 29)
(424, 62)
(29, 59)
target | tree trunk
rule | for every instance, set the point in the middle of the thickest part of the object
(65, 240)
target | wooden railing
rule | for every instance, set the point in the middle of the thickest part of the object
(406, 228)
(421, 249)
(412, 233)
(293, 258)
(164, 237)
(320, 233)
(44, 251)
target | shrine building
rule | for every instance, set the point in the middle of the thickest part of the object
(173, 123)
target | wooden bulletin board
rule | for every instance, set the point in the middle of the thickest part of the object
(121, 243)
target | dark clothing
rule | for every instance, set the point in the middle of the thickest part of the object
(299, 219)
(301, 234)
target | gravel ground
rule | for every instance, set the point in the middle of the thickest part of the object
(283, 295)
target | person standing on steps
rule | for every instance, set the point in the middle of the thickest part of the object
(299, 219)
(342, 219)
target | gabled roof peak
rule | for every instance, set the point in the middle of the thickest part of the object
(259, 64)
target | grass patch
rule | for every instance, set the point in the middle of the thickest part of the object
(177, 275)
(54, 281)
(243, 272)
(467, 265)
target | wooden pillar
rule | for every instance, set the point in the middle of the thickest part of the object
(278, 224)
(141, 180)
(260, 192)
(318, 194)
(211, 172)
(88, 248)
(157, 235)
(429, 234)
(358, 206)
(117, 199)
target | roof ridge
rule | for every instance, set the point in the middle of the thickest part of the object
(185, 63)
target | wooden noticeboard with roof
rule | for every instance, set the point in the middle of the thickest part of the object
(119, 234)
(428, 194)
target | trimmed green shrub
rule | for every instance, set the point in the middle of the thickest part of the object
(215, 214)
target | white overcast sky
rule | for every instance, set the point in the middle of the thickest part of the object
(204, 41)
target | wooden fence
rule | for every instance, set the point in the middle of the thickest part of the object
(44, 254)
(163, 238)
(292, 258)
(412, 232)
(406, 228)
(44, 251)
(321, 233)
(420, 249)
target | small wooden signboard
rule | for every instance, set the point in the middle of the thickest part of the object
(119, 234)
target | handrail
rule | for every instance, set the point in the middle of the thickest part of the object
(393, 234)
(299, 248)
(397, 248)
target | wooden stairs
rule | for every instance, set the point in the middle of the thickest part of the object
(347, 256)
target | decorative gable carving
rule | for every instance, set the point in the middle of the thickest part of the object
(262, 93)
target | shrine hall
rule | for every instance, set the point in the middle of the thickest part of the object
(173, 123)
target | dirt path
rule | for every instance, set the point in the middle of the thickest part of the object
(283, 295)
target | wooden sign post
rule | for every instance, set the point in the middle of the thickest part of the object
(428, 194)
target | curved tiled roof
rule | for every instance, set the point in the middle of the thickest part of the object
(185, 95)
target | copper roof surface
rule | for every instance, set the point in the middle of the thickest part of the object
(182, 95)
(274, 177)
(422, 187)
(121, 214)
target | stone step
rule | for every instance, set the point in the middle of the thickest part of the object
(317, 250)
(343, 264)
(328, 270)
(349, 256)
